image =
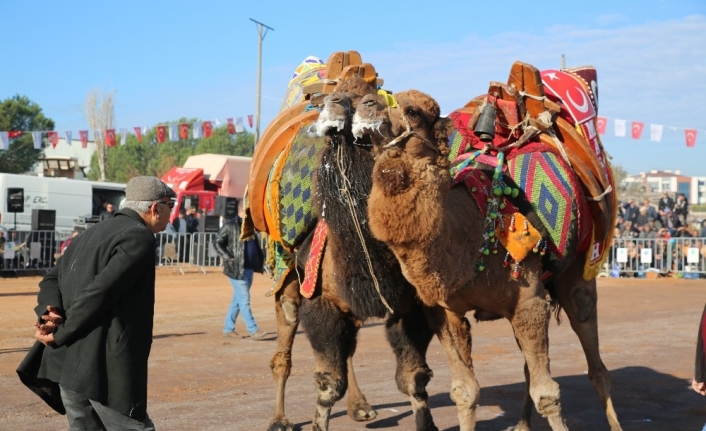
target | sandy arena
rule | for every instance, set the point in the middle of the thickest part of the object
(202, 381)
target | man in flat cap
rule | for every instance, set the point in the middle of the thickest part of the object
(95, 315)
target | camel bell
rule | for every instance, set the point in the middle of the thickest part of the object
(485, 127)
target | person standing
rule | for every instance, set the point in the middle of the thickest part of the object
(108, 212)
(95, 314)
(240, 260)
(698, 383)
(681, 208)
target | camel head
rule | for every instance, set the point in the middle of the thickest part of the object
(408, 123)
(339, 106)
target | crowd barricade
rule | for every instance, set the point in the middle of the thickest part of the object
(25, 251)
(654, 257)
(186, 251)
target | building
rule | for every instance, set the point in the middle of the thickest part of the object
(657, 182)
(64, 160)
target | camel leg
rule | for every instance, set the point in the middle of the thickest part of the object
(579, 303)
(281, 363)
(531, 326)
(358, 408)
(332, 336)
(409, 337)
(454, 332)
(524, 424)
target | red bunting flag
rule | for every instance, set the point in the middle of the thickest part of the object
(184, 131)
(138, 134)
(207, 129)
(110, 137)
(690, 135)
(83, 135)
(637, 127)
(15, 134)
(53, 138)
(250, 120)
(231, 126)
(601, 123)
(161, 134)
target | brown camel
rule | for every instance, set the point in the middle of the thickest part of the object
(356, 282)
(436, 233)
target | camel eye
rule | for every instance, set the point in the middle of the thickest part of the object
(411, 112)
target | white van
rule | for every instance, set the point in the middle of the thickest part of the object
(73, 200)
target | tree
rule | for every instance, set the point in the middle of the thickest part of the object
(18, 113)
(100, 111)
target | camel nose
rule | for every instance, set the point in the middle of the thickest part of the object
(335, 98)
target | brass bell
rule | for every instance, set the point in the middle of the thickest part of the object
(485, 127)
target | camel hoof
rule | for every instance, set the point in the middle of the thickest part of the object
(522, 426)
(281, 425)
(362, 412)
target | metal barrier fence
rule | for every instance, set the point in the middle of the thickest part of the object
(628, 257)
(641, 257)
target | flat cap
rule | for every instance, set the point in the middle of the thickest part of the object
(147, 189)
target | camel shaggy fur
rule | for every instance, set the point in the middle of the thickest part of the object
(359, 279)
(435, 231)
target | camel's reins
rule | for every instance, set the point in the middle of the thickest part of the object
(407, 133)
(349, 200)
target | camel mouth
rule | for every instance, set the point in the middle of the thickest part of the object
(366, 126)
(330, 122)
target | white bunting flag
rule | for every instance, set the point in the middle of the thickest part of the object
(68, 134)
(4, 140)
(196, 130)
(37, 139)
(656, 132)
(620, 128)
(98, 136)
(174, 132)
(123, 136)
(239, 125)
(217, 122)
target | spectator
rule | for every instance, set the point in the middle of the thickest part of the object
(681, 208)
(647, 232)
(642, 218)
(671, 221)
(631, 211)
(651, 211)
(699, 381)
(95, 317)
(65, 243)
(240, 260)
(664, 203)
(192, 221)
(181, 228)
(702, 233)
(108, 212)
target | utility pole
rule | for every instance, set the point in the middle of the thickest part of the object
(563, 62)
(261, 37)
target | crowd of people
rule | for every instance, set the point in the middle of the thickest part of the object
(665, 228)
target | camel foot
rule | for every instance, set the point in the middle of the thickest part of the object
(281, 425)
(361, 411)
(290, 311)
(522, 426)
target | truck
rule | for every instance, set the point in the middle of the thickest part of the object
(76, 202)
(204, 178)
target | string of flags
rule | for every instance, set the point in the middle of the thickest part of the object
(637, 127)
(171, 132)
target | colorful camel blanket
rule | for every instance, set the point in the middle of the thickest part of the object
(546, 196)
(313, 261)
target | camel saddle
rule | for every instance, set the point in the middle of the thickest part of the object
(556, 109)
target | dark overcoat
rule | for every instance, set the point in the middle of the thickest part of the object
(104, 282)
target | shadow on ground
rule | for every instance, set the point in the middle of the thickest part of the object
(643, 398)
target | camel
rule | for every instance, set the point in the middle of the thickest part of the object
(436, 233)
(356, 282)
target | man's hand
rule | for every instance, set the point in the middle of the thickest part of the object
(50, 321)
(699, 387)
(46, 339)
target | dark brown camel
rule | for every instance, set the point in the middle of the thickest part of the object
(435, 232)
(355, 284)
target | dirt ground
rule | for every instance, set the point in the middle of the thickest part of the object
(202, 381)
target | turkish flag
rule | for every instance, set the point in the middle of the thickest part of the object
(250, 120)
(53, 138)
(231, 126)
(184, 130)
(637, 127)
(138, 134)
(83, 135)
(14, 134)
(690, 135)
(161, 134)
(601, 123)
(207, 129)
(110, 137)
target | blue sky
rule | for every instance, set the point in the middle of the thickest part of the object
(167, 60)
